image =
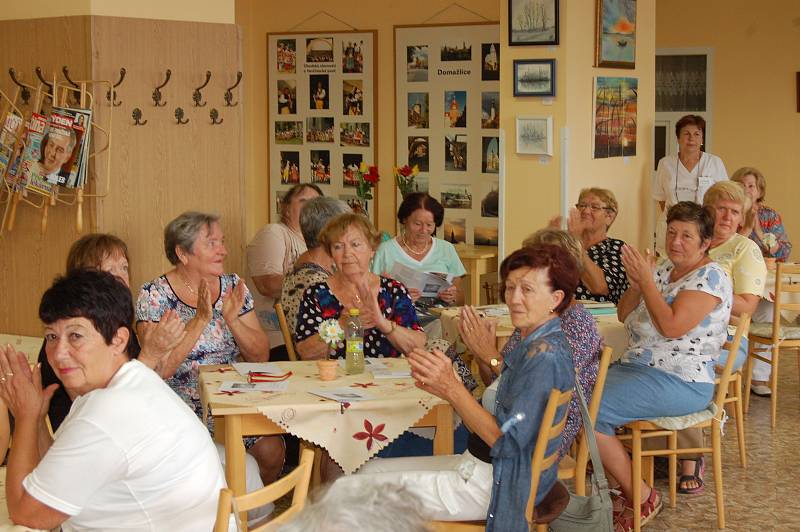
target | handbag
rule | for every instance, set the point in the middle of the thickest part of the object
(593, 512)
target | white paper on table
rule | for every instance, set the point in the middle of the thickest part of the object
(244, 368)
(429, 284)
(343, 395)
(370, 363)
(387, 373)
(239, 386)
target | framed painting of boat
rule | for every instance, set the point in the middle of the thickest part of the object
(534, 77)
(532, 22)
(615, 32)
(535, 135)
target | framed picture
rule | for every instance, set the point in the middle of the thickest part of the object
(534, 77)
(535, 135)
(615, 105)
(532, 22)
(615, 33)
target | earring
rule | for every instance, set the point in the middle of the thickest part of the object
(552, 310)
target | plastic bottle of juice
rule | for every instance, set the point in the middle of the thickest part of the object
(354, 344)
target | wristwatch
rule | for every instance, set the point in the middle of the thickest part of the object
(494, 362)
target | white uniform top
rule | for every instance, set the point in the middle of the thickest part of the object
(131, 456)
(675, 183)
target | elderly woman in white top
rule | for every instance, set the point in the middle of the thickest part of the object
(689, 174)
(271, 254)
(130, 455)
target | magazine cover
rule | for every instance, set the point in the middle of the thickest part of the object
(56, 149)
(73, 172)
(9, 135)
(37, 125)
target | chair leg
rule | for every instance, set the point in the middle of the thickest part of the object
(748, 372)
(580, 467)
(673, 469)
(542, 527)
(774, 385)
(648, 465)
(636, 479)
(716, 458)
(737, 384)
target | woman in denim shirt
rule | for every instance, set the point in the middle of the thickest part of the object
(492, 478)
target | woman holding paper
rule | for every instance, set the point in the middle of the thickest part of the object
(417, 247)
(386, 312)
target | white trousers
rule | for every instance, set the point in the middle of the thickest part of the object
(763, 314)
(252, 482)
(451, 488)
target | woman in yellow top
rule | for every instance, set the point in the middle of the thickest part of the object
(742, 260)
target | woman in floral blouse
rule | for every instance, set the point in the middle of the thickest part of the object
(763, 224)
(386, 311)
(217, 310)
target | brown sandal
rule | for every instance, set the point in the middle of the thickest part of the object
(623, 521)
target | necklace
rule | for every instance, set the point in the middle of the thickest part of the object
(412, 250)
(185, 282)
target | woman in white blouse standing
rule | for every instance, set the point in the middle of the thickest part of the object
(689, 174)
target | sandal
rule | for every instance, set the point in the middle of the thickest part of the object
(699, 471)
(623, 522)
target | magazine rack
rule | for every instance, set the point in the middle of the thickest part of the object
(82, 91)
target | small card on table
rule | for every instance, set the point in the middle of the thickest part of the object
(239, 386)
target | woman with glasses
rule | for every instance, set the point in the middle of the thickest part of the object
(603, 276)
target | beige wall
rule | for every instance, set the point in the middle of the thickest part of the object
(194, 10)
(756, 50)
(532, 188)
(257, 18)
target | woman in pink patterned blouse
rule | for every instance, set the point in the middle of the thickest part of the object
(763, 225)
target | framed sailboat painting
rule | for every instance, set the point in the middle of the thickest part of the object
(615, 32)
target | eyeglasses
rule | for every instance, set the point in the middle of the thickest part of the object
(593, 208)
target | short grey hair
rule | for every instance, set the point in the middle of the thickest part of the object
(183, 231)
(316, 213)
(351, 501)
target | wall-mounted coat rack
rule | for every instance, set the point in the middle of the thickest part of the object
(111, 95)
(228, 97)
(197, 96)
(157, 91)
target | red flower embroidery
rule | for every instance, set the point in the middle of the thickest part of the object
(228, 393)
(371, 434)
(362, 384)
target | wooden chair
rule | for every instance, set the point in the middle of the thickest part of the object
(570, 467)
(776, 334)
(287, 334)
(709, 418)
(734, 396)
(549, 429)
(297, 480)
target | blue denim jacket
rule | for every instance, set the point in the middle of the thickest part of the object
(542, 361)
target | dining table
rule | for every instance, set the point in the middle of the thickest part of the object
(361, 414)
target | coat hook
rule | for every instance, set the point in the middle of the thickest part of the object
(111, 94)
(198, 96)
(137, 117)
(24, 92)
(229, 95)
(75, 96)
(157, 91)
(179, 116)
(214, 114)
(41, 78)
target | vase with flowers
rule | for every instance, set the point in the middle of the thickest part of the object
(368, 177)
(404, 177)
(331, 332)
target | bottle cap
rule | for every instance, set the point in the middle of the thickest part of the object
(354, 312)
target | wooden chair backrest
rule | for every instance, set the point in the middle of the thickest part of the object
(287, 334)
(783, 284)
(733, 348)
(549, 429)
(600, 383)
(298, 480)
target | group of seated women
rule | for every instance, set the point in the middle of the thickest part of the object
(676, 312)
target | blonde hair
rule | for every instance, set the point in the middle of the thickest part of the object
(761, 182)
(335, 228)
(727, 190)
(606, 196)
(562, 239)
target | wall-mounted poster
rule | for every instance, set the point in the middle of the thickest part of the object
(322, 103)
(615, 104)
(447, 122)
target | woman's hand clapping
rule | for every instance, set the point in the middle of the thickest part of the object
(367, 303)
(433, 372)
(159, 339)
(478, 334)
(639, 268)
(231, 303)
(21, 388)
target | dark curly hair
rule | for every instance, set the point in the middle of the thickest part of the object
(420, 200)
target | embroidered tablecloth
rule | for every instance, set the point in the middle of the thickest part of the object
(351, 432)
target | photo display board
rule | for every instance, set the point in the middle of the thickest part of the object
(321, 107)
(447, 101)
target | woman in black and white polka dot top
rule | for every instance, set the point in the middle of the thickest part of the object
(603, 276)
(385, 309)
